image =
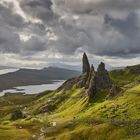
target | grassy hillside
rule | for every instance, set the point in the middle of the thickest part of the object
(125, 76)
(76, 119)
(67, 115)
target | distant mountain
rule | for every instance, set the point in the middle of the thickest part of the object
(65, 66)
(6, 67)
(25, 77)
(77, 67)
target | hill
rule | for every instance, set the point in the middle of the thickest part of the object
(24, 77)
(7, 67)
(96, 105)
(126, 75)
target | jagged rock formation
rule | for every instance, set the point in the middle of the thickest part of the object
(90, 80)
(102, 77)
(98, 80)
(80, 81)
(94, 81)
(86, 65)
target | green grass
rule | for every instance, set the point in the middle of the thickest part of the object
(76, 119)
(18, 99)
(77, 112)
(11, 133)
(100, 132)
(123, 77)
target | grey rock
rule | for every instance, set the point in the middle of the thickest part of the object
(114, 91)
(91, 84)
(103, 80)
(86, 65)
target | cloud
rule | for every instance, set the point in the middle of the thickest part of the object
(91, 6)
(40, 9)
(9, 40)
(11, 24)
(34, 44)
(9, 17)
(127, 26)
(106, 28)
(103, 28)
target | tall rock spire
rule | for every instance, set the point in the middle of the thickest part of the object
(86, 65)
(102, 77)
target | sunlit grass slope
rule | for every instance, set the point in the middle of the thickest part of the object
(73, 116)
(111, 119)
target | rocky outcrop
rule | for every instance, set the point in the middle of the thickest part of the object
(114, 92)
(97, 81)
(86, 65)
(82, 79)
(89, 79)
(103, 80)
(17, 114)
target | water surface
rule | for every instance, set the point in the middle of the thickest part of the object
(34, 89)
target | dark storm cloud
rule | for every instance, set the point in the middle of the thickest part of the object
(34, 44)
(128, 44)
(87, 7)
(128, 26)
(9, 41)
(108, 27)
(39, 9)
(9, 23)
(100, 27)
(8, 17)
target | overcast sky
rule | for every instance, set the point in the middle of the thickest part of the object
(38, 33)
